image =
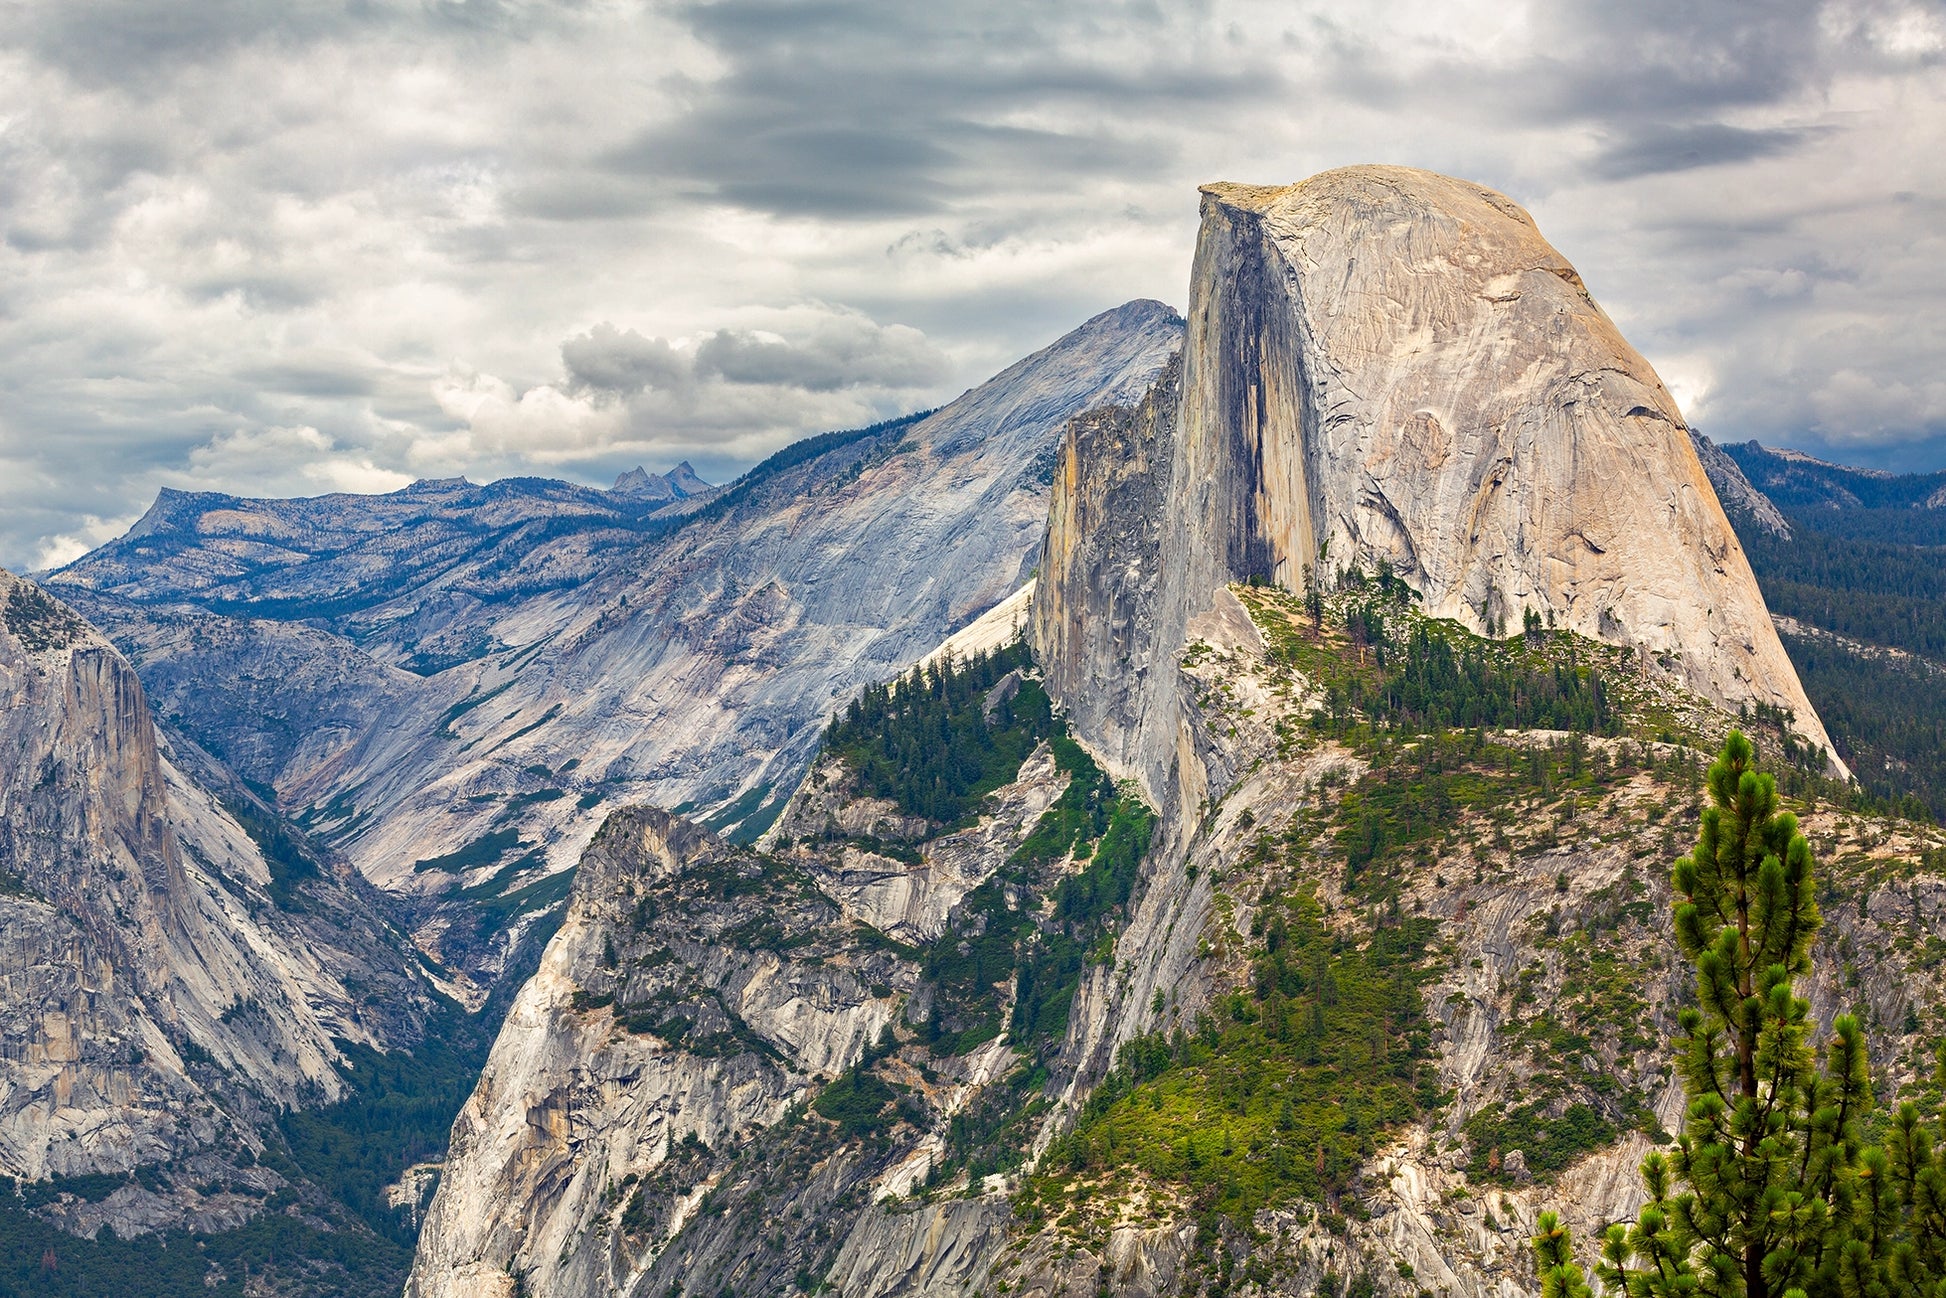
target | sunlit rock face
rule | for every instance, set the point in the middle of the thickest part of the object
(1385, 365)
(162, 992)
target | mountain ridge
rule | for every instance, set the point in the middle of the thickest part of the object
(233, 966)
(458, 720)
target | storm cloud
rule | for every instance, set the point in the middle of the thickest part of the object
(326, 246)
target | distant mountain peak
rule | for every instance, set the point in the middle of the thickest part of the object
(679, 483)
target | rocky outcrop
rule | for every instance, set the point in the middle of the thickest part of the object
(692, 993)
(642, 1123)
(165, 987)
(1546, 937)
(1739, 499)
(679, 483)
(1109, 534)
(1383, 368)
(1386, 366)
(843, 840)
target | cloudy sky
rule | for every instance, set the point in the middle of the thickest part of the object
(341, 244)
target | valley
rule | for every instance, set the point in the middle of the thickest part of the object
(1193, 815)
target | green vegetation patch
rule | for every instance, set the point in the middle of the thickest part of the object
(495, 912)
(1887, 717)
(1419, 675)
(484, 850)
(41, 623)
(928, 743)
(1888, 590)
(1001, 938)
(290, 864)
(746, 806)
(466, 705)
(1028, 933)
(1283, 1089)
(399, 1111)
(279, 1251)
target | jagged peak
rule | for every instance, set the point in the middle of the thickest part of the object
(679, 483)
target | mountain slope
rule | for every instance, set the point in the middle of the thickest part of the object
(1796, 481)
(1368, 964)
(1850, 561)
(172, 982)
(699, 676)
(567, 656)
(1742, 503)
(1350, 1033)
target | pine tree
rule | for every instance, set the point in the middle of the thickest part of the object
(1771, 1190)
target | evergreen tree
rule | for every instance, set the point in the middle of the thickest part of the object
(1771, 1192)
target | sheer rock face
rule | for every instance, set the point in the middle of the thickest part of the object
(908, 901)
(1093, 623)
(1386, 365)
(154, 1000)
(699, 989)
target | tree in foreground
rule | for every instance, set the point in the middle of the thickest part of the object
(1772, 1191)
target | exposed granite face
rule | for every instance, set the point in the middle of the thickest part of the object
(385, 571)
(1389, 366)
(1460, 432)
(155, 997)
(700, 989)
(1109, 527)
(571, 1166)
(694, 989)
(1518, 923)
(908, 900)
(704, 671)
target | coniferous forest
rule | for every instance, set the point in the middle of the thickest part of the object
(1865, 563)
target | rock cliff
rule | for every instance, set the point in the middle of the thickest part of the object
(1551, 981)
(694, 994)
(166, 987)
(881, 1146)
(1386, 366)
(731, 1059)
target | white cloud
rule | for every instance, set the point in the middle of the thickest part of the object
(543, 423)
(277, 460)
(66, 547)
